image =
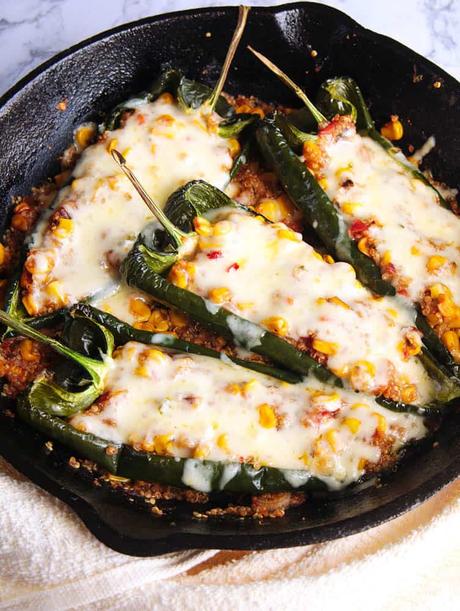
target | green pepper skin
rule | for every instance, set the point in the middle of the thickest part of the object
(316, 207)
(124, 333)
(220, 477)
(104, 453)
(341, 95)
(124, 461)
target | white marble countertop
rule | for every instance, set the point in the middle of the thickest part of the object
(31, 31)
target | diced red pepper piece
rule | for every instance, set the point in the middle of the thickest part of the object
(214, 254)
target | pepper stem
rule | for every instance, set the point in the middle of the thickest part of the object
(174, 232)
(317, 115)
(242, 18)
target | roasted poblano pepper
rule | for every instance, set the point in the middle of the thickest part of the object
(154, 254)
(122, 460)
(46, 405)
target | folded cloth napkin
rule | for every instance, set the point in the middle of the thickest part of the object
(48, 560)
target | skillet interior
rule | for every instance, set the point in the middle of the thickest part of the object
(96, 75)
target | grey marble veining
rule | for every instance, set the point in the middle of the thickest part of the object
(31, 31)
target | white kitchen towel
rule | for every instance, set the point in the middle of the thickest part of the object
(48, 560)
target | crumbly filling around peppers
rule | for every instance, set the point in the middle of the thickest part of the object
(22, 360)
(396, 220)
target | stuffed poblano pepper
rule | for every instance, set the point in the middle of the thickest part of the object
(204, 423)
(362, 196)
(178, 131)
(259, 284)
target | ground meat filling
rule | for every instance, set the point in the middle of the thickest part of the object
(21, 362)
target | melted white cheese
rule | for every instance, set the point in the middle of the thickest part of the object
(198, 407)
(165, 147)
(411, 225)
(286, 278)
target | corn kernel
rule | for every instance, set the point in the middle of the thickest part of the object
(156, 355)
(451, 341)
(165, 119)
(381, 422)
(276, 324)
(288, 234)
(29, 350)
(366, 365)
(222, 442)
(84, 135)
(234, 147)
(329, 348)
(323, 183)
(142, 371)
(386, 258)
(305, 458)
(222, 228)
(202, 226)
(55, 290)
(139, 309)
(267, 416)
(328, 259)
(245, 305)
(30, 305)
(158, 322)
(178, 277)
(178, 319)
(393, 130)
(437, 290)
(392, 312)
(233, 389)
(163, 443)
(112, 144)
(363, 245)
(201, 451)
(166, 98)
(361, 464)
(248, 386)
(274, 210)
(409, 393)
(360, 406)
(220, 295)
(63, 228)
(337, 301)
(148, 446)
(447, 308)
(435, 262)
(414, 251)
(331, 437)
(350, 207)
(353, 424)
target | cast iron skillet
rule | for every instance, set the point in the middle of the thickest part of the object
(97, 74)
